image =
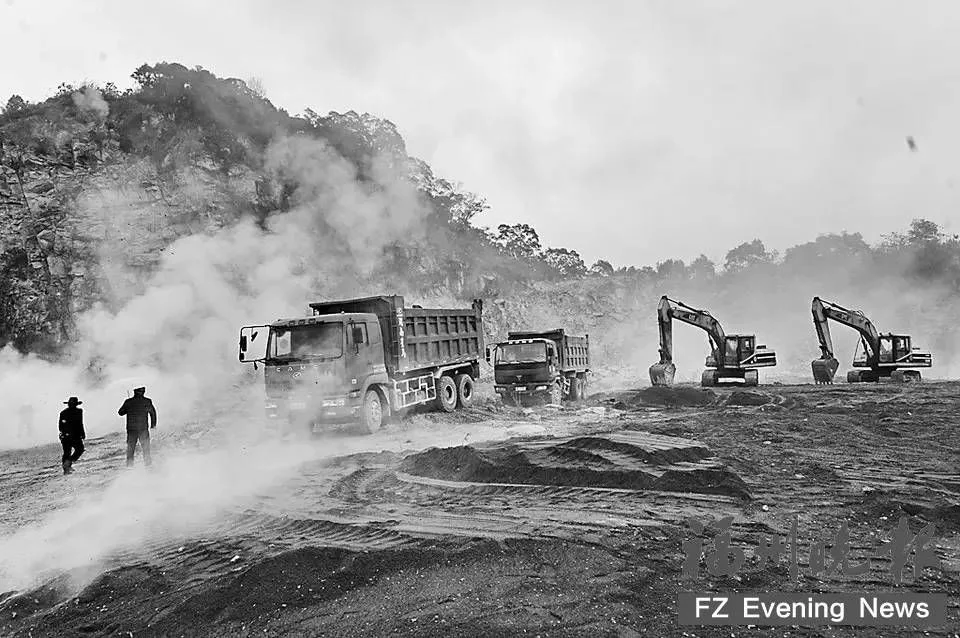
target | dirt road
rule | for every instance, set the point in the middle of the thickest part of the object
(493, 522)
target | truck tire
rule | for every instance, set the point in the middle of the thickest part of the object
(446, 394)
(464, 390)
(576, 389)
(371, 412)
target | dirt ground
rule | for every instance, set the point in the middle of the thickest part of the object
(497, 521)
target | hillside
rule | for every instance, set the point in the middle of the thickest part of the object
(195, 193)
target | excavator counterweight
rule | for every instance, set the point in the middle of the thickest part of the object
(733, 358)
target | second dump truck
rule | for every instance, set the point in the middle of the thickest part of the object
(549, 366)
(361, 360)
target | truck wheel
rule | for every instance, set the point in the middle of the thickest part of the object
(371, 413)
(446, 394)
(576, 389)
(464, 390)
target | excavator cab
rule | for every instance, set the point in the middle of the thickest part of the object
(739, 348)
(891, 349)
(742, 351)
(900, 345)
(736, 349)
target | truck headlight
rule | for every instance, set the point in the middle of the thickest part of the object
(540, 387)
(354, 394)
(334, 403)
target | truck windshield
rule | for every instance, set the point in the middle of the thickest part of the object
(305, 342)
(522, 353)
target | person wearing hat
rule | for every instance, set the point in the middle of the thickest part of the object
(71, 433)
(137, 408)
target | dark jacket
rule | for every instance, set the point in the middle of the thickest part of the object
(136, 409)
(71, 422)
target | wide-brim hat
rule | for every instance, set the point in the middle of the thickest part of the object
(73, 401)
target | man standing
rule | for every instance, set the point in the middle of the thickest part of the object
(137, 408)
(71, 433)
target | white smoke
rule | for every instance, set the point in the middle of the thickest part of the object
(178, 330)
(90, 99)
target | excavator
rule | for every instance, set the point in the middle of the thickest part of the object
(733, 358)
(884, 355)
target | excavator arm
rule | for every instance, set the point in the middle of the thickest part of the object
(826, 366)
(670, 309)
(663, 373)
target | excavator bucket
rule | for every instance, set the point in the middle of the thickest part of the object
(824, 369)
(663, 373)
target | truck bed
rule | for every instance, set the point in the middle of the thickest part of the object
(416, 339)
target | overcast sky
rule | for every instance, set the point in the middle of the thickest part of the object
(632, 131)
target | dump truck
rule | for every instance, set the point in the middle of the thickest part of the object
(733, 358)
(548, 366)
(363, 360)
(887, 355)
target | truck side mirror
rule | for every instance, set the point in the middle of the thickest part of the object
(243, 343)
(487, 355)
(357, 335)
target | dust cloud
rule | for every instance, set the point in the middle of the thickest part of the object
(177, 335)
(90, 99)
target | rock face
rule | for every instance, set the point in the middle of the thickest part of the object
(62, 226)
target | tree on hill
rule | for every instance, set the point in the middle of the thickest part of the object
(602, 268)
(566, 263)
(519, 241)
(746, 255)
(15, 105)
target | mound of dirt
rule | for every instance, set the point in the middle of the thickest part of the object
(627, 460)
(669, 396)
(747, 398)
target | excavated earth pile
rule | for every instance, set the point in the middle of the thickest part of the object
(660, 396)
(627, 460)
